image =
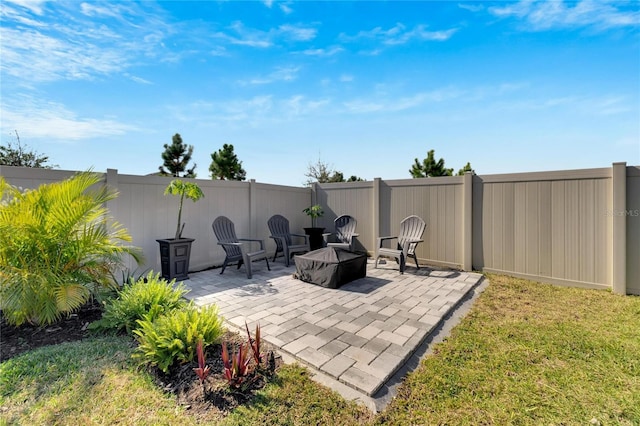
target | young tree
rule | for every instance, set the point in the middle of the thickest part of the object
(19, 155)
(225, 165)
(429, 167)
(176, 157)
(466, 168)
(322, 172)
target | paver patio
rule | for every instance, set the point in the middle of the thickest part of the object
(358, 334)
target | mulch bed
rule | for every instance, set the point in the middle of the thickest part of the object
(181, 380)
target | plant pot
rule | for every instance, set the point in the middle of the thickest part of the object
(316, 241)
(174, 258)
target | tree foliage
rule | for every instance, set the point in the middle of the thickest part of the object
(176, 157)
(225, 165)
(429, 167)
(59, 248)
(21, 156)
(465, 169)
(322, 172)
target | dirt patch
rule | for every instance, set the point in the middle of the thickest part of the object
(16, 340)
(213, 404)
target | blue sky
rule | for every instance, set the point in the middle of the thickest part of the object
(365, 86)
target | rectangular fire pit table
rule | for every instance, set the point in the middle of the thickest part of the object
(331, 267)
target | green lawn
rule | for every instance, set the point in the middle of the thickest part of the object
(528, 353)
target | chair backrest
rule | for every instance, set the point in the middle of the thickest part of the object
(345, 228)
(279, 226)
(411, 228)
(225, 232)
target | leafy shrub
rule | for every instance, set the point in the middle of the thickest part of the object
(173, 337)
(148, 297)
(58, 247)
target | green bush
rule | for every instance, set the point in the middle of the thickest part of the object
(173, 337)
(59, 248)
(148, 297)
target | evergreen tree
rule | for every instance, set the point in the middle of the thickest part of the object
(465, 169)
(19, 155)
(176, 157)
(225, 165)
(430, 167)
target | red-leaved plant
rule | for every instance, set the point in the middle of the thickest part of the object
(237, 368)
(203, 370)
(255, 344)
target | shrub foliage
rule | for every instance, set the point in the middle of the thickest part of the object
(148, 297)
(59, 247)
(173, 337)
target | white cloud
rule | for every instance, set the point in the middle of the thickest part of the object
(279, 74)
(37, 118)
(323, 52)
(399, 34)
(346, 78)
(284, 7)
(263, 39)
(298, 33)
(471, 7)
(34, 6)
(599, 15)
(84, 47)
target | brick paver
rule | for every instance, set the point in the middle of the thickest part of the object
(359, 334)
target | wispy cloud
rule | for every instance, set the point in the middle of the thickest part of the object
(37, 118)
(279, 74)
(250, 111)
(252, 37)
(297, 32)
(84, 47)
(599, 15)
(400, 34)
(330, 51)
(471, 7)
(386, 103)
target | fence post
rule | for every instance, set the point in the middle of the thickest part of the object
(253, 208)
(375, 210)
(467, 218)
(619, 234)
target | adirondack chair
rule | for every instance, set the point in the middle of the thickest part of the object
(345, 233)
(279, 227)
(237, 249)
(410, 235)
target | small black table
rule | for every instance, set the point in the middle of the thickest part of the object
(331, 267)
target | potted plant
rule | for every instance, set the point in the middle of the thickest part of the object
(175, 252)
(314, 233)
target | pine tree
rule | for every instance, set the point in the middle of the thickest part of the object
(430, 167)
(466, 168)
(225, 165)
(176, 157)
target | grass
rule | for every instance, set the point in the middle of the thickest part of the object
(531, 353)
(527, 353)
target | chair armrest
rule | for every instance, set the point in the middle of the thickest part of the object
(303, 236)
(355, 235)
(381, 239)
(251, 240)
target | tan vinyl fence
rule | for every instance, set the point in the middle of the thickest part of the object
(148, 215)
(577, 227)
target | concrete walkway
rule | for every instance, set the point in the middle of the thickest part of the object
(359, 334)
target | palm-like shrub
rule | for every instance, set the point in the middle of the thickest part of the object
(148, 297)
(59, 248)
